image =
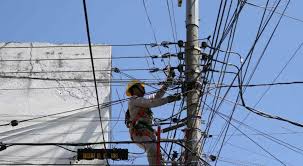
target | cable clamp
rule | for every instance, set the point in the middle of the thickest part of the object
(180, 43)
(154, 69)
(116, 70)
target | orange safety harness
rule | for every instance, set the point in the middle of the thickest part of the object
(139, 126)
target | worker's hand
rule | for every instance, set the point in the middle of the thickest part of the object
(174, 97)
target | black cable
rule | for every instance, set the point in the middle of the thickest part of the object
(264, 52)
(104, 105)
(175, 132)
(94, 75)
(261, 30)
(281, 71)
(150, 24)
(291, 147)
(224, 68)
(44, 116)
(268, 136)
(266, 46)
(148, 52)
(47, 164)
(67, 149)
(122, 109)
(266, 115)
(229, 47)
(261, 85)
(251, 50)
(228, 52)
(71, 71)
(171, 23)
(69, 79)
(77, 46)
(251, 139)
(179, 142)
(229, 121)
(220, 22)
(73, 59)
(284, 15)
(174, 19)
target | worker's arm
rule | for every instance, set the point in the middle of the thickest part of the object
(150, 103)
(160, 93)
(164, 87)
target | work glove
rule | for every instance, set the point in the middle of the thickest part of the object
(174, 97)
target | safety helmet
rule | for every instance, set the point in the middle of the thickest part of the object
(131, 84)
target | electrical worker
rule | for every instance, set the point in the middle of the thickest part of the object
(141, 117)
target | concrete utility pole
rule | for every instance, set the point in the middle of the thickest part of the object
(192, 72)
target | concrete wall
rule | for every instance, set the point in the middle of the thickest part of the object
(32, 85)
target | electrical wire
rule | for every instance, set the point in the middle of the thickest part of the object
(260, 113)
(74, 59)
(267, 136)
(258, 36)
(79, 46)
(104, 105)
(269, 9)
(150, 24)
(262, 84)
(274, 80)
(173, 27)
(277, 159)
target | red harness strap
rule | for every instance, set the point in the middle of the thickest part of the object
(134, 122)
(141, 133)
(139, 115)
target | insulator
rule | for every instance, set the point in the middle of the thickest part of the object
(180, 56)
(175, 120)
(180, 68)
(181, 43)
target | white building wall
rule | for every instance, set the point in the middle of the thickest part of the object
(31, 87)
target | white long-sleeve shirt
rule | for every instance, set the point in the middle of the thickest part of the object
(137, 104)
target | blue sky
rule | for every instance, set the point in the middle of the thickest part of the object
(125, 22)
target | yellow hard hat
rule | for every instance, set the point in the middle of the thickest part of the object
(131, 84)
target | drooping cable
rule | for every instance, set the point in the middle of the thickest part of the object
(94, 74)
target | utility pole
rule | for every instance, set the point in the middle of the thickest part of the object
(193, 84)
